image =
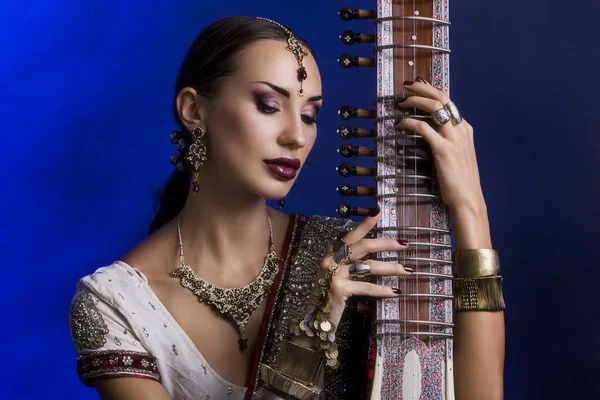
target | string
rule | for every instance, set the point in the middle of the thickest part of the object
(402, 306)
(409, 75)
(390, 162)
(417, 263)
(383, 129)
(406, 304)
(419, 35)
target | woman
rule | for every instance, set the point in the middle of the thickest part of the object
(195, 309)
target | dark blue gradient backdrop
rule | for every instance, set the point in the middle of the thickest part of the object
(86, 111)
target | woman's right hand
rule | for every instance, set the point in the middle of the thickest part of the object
(342, 287)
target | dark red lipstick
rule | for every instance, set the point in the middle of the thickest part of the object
(284, 167)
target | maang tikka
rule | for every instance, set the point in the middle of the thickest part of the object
(196, 156)
(297, 49)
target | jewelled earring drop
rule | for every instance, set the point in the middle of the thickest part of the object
(197, 155)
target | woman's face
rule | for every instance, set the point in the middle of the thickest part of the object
(259, 130)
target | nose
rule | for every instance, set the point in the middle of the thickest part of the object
(293, 134)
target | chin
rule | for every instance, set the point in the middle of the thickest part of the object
(264, 183)
(275, 190)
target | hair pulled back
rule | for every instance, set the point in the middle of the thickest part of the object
(211, 57)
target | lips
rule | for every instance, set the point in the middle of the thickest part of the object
(284, 167)
(289, 162)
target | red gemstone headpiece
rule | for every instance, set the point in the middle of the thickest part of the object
(295, 46)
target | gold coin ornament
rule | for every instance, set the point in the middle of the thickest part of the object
(317, 322)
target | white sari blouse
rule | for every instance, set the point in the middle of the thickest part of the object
(121, 329)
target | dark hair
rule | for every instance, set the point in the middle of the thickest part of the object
(212, 57)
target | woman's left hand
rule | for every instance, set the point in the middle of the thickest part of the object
(452, 146)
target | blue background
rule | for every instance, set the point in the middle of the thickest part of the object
(86, 112)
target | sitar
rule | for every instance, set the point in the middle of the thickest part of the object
(412, 334)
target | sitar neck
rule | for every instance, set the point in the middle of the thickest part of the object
(414, 331)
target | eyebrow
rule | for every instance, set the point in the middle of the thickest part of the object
(285, 92)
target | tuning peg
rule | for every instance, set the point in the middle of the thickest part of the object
(346, 132)
(347, 113)
(348, 14)
(346, 210)
(349, 61)
(348, 190)
(346, 170)
(347, 150)
(351, 37)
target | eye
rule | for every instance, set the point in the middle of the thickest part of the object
(265, 108)
(308, 120)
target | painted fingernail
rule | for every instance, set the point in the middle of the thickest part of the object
(396, 290)
(403, 242)
(408, 83)
(373, 212)
(419, 79)
(401, 99)
(409, 269)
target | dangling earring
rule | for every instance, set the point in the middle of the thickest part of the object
(281, 202)
(197, 155)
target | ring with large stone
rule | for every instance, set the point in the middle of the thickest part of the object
(454, 113)
(359, 271)
(342, 255)
(441, 117)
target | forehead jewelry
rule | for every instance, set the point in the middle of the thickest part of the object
(297, 49)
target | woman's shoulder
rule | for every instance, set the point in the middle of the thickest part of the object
(108, 281)
(130, 270)
(152, 255)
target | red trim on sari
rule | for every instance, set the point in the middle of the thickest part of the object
(108, 364)
(297, 222)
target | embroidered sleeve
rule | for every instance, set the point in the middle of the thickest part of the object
(106, 346)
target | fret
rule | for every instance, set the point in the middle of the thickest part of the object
(420, 259)
(414, 321)
(413, 18)
(423, 334)
(412, 228)
(412, 46)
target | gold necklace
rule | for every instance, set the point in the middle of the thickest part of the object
(237, 304)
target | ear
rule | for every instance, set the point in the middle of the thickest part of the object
(191, 108)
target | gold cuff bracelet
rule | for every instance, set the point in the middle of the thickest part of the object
(478, 294)
(474, 263)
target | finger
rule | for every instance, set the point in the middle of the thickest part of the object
(363, 228)
(357, 288)
(423, 103)
(424, 129)
(428, 105)
(423, 88)
(381, 268)
(366, 246)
